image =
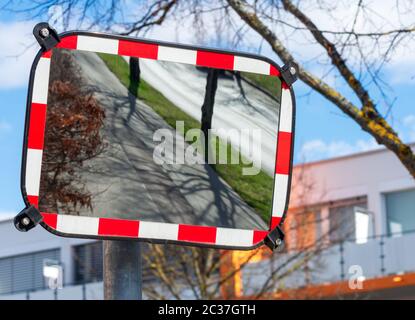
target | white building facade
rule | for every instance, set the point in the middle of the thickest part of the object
(22, 256)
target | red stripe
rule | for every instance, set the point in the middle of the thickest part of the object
(214, 60)
(37, 126)
(51, 219)
(118, 227)
(69, 42)
(283, 153)
(33, 200)
(259, 235)
(284, 85)
(197, 233)
(273, 71)
(275, 221)
(47, 54)
(137, 49)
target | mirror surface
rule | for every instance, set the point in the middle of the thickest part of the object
(150, 140)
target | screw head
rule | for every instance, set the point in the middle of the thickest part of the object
(44, 32)
(25, 221)
(293, 71)
(278, 242)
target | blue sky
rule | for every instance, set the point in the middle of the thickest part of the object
(322, 131)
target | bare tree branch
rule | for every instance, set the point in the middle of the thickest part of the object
(367, 116)
(155, 15)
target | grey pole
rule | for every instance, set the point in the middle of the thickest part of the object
(122, 270)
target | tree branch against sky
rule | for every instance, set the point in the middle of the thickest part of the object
(367, 114)
(343, 50)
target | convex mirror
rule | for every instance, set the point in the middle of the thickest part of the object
(131, 138)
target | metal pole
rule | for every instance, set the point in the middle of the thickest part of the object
(83, 291)
(343, 273)
(382, 255)
(122, 270)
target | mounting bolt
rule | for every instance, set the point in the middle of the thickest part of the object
(293, 71)
(289, 73)
(44, 32)
(46, 36)
(275, 239)
(26, 221)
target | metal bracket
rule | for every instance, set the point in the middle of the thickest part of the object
(27, 219)
(289, 73)
(46, 36)
(275, 239)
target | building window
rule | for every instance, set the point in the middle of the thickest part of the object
(400, 211)
(303, 229)
(88, 262)
(342, 221)
(24, 272)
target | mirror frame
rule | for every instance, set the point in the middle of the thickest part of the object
(157, 232)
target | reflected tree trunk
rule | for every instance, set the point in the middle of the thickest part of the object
(135, 74)
(207, 108)
(239, 83)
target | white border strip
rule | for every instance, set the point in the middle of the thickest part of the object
(77, 225)
(41, 81)
(176, 55)
(234, 237)
(279, 198)
(33, 169)
(96, 44)
(251, 65)
(158, 230)
(286, 111)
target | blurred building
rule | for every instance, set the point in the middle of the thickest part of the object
(357, 210)
(22, 256)
(357, 213)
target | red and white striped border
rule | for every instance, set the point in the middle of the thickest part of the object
(105, 227)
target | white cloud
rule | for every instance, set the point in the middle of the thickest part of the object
(318, 149)
(18, 50)
(6, 215)
(5, 126)
(409, 120)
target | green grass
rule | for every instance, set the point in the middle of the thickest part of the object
(269, 84)
(153, 98)
(255, 190)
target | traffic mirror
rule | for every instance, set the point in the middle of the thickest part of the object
(137, 139)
